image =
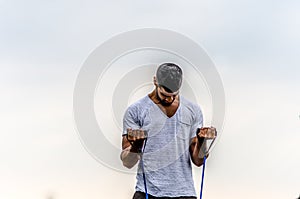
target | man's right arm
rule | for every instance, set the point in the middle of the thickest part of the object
(129, 155)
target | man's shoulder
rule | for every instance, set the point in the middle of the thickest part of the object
(189, 105)
(139, 108)
(143, 103)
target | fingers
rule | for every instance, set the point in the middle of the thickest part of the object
(208, 133)
(130, 135)
(139, 134)
(211, 133)
(134, 135)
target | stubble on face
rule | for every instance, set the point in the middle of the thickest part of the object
(163, 102)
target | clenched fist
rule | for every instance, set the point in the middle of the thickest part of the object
(207, 133)
(136, 138)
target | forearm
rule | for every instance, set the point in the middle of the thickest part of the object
(129, 157)
(198, 149)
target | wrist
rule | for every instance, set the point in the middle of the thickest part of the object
(200, 140)
(134, 149)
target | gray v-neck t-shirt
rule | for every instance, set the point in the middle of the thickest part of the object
(166, 158)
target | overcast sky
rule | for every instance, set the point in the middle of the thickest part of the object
(255, 46)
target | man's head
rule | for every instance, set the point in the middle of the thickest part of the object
(168, 81)
(169, 76)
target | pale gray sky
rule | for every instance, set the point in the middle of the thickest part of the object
(254, 44)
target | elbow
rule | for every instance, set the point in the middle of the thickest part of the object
(125, 162)
(198, 163)
(128, 166)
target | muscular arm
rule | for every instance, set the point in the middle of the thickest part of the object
(129, 156)
(198, 146)
(197, 151)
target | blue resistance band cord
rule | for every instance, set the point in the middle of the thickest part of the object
(144, 176)
(202, 180)
(141, 150)
(204, 161)
(143, 169)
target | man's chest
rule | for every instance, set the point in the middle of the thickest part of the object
(169, 110)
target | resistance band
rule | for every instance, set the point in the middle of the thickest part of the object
(143, 169)
(141, 150)
(201, 139)
(203, 165)
(202, 180)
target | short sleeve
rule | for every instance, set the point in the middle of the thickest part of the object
(198, 120)
(130, 119)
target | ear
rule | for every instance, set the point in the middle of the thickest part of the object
(155, 81)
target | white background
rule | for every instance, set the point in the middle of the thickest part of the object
(254, 44)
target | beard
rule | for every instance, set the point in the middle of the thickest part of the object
(164, 102)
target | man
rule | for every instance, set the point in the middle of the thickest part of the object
(164, 131)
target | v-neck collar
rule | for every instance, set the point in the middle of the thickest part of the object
(165, 115)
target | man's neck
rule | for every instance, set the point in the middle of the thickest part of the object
(168, 110)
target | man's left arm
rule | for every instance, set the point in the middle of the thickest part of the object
(197, 151)
(198, 146)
